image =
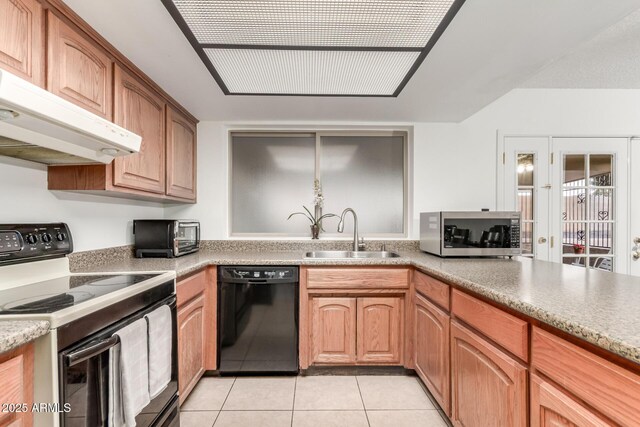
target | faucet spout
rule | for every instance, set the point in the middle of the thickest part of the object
(356, 241)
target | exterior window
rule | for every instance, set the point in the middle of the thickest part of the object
(272, 175)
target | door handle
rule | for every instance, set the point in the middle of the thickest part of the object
(91, 351)
(636, 240)
(542, 240)
(635, 255)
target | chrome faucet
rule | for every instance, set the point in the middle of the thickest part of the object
(358, 244)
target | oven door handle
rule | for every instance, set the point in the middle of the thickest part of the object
(88, 352)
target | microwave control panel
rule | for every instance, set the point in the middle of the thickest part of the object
(515, 233)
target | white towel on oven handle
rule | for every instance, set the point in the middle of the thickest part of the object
(115, 414)
(134, 370)
(160, 337)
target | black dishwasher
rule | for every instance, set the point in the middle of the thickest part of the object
(257, 320)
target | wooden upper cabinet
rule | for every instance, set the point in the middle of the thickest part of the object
(550, 407)
(488, 387)
(22, 39)
(431, 348)
(333, 330)
(380, 330)
(78, 70)
(181, 156)
(142, 111)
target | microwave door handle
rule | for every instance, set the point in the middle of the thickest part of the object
(88, 352)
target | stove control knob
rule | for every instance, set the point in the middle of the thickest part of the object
(60, 236)
(32, 239)
(46, 237)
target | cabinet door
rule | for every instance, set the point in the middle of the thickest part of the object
(488, 387)
(181, 156)
(16, 378)
(380, 329)
(333, 330)
(22, 39)
(141, 111)
(78, 70)
(431, 347)
(550, 407)
(191, 340)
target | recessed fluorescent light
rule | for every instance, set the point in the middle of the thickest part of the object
(313, 47)
(311, 72)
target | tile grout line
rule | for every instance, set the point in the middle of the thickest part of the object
(362, 399)
(225, 401)
(293, 406)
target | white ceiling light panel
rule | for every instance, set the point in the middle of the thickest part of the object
(313, 47)
(311, 72)
(389, 23)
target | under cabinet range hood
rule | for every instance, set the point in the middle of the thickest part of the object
(39, 126)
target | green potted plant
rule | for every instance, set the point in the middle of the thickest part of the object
(316, 222)
(578, 248)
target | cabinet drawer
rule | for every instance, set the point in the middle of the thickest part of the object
(610, 389)
(191, 287)
(357, 278)
(505, 329)
(433, 289)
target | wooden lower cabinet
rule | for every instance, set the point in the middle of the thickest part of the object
(16, 380)
(197, 330)
(333, 330)
(431, 349)
(191, 345)
(356, 330)
(488, 387)
(551, 407)
(380, 328)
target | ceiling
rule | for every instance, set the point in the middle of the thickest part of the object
(490, 47)
(611, 60)
(312, 47)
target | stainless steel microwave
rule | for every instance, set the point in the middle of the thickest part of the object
(165, 238)
(482, 233)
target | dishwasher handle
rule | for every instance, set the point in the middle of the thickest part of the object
(93, 350)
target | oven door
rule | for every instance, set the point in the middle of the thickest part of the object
(84, 386)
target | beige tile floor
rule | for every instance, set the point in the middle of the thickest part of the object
(323, 401)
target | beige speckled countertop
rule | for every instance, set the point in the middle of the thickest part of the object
(596, 306)
(16, 333)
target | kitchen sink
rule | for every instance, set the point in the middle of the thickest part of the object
(350, 254)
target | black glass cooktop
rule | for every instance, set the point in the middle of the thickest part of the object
(57, 294)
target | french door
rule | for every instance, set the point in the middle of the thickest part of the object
(573, 195)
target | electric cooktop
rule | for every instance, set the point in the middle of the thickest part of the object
(57, 294)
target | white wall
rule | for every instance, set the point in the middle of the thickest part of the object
(454, 164)
(95, 222)
(458, 161)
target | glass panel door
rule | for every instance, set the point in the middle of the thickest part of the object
(572, 193)
(526, 190)
(589, 207)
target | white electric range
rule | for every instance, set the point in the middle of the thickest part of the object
(84, 310)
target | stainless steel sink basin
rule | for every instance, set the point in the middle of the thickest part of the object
(350, 254)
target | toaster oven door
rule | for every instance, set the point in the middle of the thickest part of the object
(186, 237)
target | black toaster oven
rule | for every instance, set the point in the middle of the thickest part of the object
(165, 238)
